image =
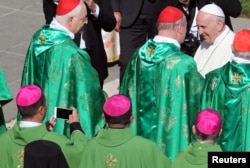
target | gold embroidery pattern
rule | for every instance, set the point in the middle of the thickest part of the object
(172, 63)
(168, 92)
(20, 156)
(171, 123)
(164, 114)
(178, 81)
(213, 84)
(111, 161)
(41, 39)
(245, 110)
(151, 51)
(54, 73)
(185, 131)
(162, 144)
(236, 78)
(87, 97)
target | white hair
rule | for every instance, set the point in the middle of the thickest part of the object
(244, 55)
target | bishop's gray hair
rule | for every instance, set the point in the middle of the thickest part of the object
(170, 26)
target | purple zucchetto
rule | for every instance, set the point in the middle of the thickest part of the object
(208, 122)
(117, 105)
(28, 95)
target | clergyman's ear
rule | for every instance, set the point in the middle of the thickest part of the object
(221, 130)
(70, 21)
(220, 25)
(194, 129)
(131, 118)
(103, 117)
(42, 110)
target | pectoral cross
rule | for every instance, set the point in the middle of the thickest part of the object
(41, 38)
(236, 78)
(111, 161)
(151, 50)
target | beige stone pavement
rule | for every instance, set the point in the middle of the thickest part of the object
(19, 20)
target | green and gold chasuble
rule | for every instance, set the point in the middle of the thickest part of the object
(5, 97)
(195, 155)
(120, 148)
(64, 72)
(13, 143)
(164, 86)
(227, 90)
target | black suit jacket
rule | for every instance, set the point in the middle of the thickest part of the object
(49, 10)
(93, 37)
(230, 8)
(130, 9)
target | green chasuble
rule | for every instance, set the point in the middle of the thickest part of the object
(13, 143)
(164, 86)
(227, 90)
(64, 72)
(120, 148)
(195, 155)
(5, 97)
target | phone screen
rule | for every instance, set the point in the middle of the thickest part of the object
(63, 113)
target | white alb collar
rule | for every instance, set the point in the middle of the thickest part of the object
(158, 38)
(28, 124)
(240, 60)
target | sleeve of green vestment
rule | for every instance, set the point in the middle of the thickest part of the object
(73, 148)
(5, 93)
(130, 76)
(160, 159)
(194, 85)
(213, 93)
(5, 97)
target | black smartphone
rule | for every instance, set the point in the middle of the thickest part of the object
(62, 113)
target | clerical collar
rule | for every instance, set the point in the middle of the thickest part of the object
(240, 60)
(55, 25)
(158, 39)
(28, 124)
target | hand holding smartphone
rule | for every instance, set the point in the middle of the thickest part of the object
(62, 113)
